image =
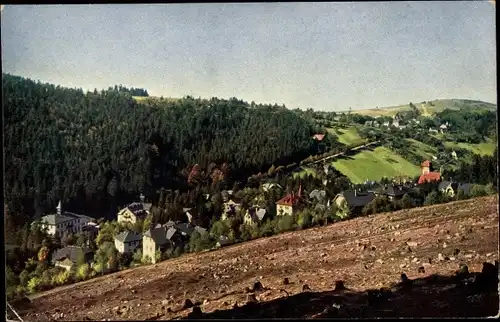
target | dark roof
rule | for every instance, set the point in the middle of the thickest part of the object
(138, 209)
(55, 219)
(465, 187)
(128, 236)
(170, 223)
(200, 230)
(396, 190)
(257, 213)
(444, 184)
(171, 232)
(289, 200)
(71, 253)
(157, 234)
(184, 228)
(357, 198)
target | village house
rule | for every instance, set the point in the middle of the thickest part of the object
(427, 174)
(127, 241)
(372, 123)
(153, 240)
(353, 201)
(64, 222)
(451, 188)
(134, 212)
(448, 188)
(231, 208)
(69, 256)
(288, 205)
(167, 236)
(90, 230)
(255, 214)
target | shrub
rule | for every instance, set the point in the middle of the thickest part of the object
(124, 260)
(83, 272)
(177, 251)
(146, 260)
(284, 223)
(10, 277)
(137, 257)
(220, 228)
(461, 195)
(34, 284)
(199, 242)
(406, 202)
(61, 278)
(267, 229)
(98, 267)
(24, 278)
(304, 219)
(490, 189)
(432, 198)
(319, 218)
(477, 191)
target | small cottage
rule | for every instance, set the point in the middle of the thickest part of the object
(127, 241)
(69, 256)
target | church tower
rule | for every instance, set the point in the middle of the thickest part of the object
(59, 208)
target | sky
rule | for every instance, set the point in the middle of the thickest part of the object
(324, 56)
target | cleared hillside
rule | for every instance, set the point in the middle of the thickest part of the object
(428, 108)
(374, 165)
(366, 253)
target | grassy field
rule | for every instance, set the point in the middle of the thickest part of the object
(374, 165)
(349, 136)
(484, 148)
(427, 109)
(421, 149)
(304, 172)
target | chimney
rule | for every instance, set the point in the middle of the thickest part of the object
(141, 197)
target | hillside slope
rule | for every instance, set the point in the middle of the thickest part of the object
(365, 253)
(428, 108)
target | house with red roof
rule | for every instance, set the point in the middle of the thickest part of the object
(288, 204)
(427, 174)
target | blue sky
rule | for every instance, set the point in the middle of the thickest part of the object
(325, 56)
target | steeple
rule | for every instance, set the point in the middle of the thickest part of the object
(59, 208)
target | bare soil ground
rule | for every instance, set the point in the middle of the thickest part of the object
(366, 253)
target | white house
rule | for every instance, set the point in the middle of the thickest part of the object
(64, 222)
(127, 241)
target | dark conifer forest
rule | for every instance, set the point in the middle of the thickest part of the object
(98, 150)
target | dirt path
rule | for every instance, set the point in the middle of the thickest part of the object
(365, 252)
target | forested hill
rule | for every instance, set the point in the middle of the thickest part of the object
(96, 150)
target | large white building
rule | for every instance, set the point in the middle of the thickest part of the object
(64, 222)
